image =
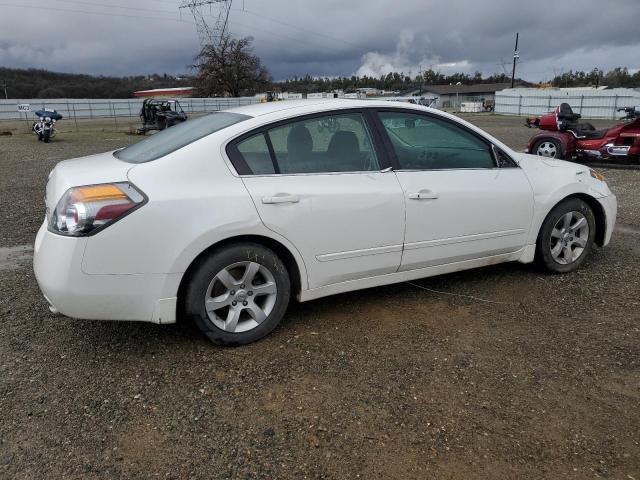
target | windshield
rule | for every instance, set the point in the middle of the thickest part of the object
(176, 137)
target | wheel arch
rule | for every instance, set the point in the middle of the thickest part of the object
(565, 140)
(289, 260)
(598, 212)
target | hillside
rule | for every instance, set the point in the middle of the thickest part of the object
(34, 83)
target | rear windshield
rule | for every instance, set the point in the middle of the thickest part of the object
(176, 137)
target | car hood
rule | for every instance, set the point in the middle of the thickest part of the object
(536, 163)
(545, 174)
(90, 170)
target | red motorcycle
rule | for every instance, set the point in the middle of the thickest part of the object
(564, 137)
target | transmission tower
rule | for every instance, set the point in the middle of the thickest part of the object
(209, 34)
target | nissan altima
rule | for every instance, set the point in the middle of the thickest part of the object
(223, 219)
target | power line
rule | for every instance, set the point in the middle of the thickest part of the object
(277, 35)
(56, 9)
(81, 2)
(250, 28)
(305, 30)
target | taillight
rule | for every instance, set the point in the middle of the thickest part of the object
(84, 210)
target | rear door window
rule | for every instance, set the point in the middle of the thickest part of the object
(336, 142)
(255, 152)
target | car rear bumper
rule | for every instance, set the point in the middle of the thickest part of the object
(57, 264)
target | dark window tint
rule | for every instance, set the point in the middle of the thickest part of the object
(427, 143)
(178, 136)
(332, 143)
(503, 160)
(255, 152)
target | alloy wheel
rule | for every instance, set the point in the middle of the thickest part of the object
(547, 149)
(569, 238)
(241, 296)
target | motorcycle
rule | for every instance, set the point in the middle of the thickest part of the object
(45, 126)
(564, 137)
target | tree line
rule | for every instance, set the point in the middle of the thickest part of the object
(231, 68)
(35, 83)
(618, 77)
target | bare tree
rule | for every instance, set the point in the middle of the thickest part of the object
(230, 68)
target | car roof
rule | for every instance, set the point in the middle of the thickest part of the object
(312, 105)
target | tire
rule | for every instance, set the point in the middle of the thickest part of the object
(548, 147)
(46, 138)
(566, 236)
(240, 315)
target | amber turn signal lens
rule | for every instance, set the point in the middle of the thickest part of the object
(97, 193)
(597, 175)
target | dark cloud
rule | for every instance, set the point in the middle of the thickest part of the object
(331, 37)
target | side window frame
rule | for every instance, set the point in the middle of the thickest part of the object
(369, 118)
(391, 153)
(510, 162)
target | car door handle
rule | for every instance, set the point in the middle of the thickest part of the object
(281, 198)
(424, 195)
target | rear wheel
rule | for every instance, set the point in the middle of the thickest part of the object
(238, 294)
(548, 147)
(566, 236)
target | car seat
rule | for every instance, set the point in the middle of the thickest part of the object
(299, 151)
(343, 153)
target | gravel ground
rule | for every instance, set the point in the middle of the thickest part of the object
(509, 374)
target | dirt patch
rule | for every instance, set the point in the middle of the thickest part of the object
(501, 372)
(12, 258)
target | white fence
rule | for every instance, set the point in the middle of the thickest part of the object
(110, 108)
(588, 103)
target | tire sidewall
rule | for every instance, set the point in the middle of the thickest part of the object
(209, 266)
(544, 237)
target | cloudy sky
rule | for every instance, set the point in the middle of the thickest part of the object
(327, 37)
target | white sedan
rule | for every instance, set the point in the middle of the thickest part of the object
(224, 218)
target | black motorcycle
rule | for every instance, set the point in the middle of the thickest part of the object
(45, 126)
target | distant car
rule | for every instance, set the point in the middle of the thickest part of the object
(222, 219)
(157, 114)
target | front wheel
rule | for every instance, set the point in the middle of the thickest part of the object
(566, 236)
(238, 294)
(548, 147)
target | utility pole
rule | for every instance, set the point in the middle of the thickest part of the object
(516, 56)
